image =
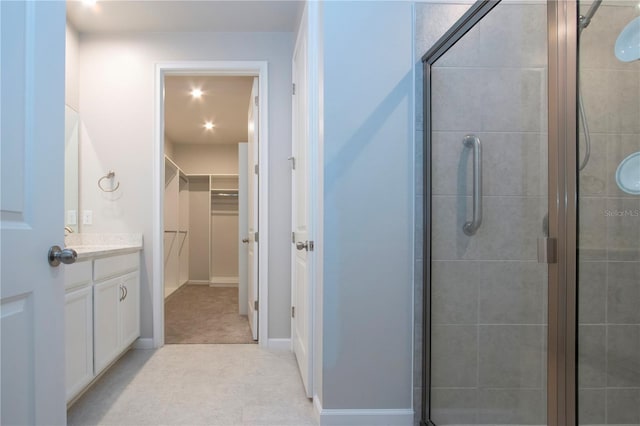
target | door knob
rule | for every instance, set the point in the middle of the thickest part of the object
(307, 245)
(245, 240)
(57, 255)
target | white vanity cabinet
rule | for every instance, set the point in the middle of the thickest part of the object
(102, 315)
(130, 310)
(117, 317)
(116, 307)
(78, 310)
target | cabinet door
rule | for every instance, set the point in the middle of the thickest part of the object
(78, 340)
(106, 345)
(130, 310)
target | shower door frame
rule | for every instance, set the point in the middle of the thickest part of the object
(562, 29)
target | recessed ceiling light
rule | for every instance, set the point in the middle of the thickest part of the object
(196, 93)
(209, 125)
(89, 3)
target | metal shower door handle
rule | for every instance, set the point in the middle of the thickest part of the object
(473, 142)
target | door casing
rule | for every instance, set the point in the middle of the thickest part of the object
(211, 68)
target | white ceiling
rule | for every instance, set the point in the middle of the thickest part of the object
(108, 16)
(225, 102)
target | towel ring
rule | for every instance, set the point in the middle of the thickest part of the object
(109, 175)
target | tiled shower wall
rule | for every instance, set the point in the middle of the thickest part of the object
(609, 236)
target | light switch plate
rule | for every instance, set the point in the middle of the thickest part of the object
(87, 217)
(72, 217)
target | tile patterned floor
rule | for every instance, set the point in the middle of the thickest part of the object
(198, 385)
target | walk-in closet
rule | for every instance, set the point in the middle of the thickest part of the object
(176, 227)
(201, 219)
(206, 124)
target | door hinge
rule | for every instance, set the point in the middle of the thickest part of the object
(256, 169)
(255, 237)
(293, 90)
(255, 305)
(255, 99)
(293, 312)
(293, 162)
(293, 237)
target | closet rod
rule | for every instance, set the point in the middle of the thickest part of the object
(224, 194)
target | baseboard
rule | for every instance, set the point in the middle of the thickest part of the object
(317, 407)
(175, 291)
(143, 343)
(279, 344)
(223, 282)
(198, 282)
(347, 417)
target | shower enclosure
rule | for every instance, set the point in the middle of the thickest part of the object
(532, 266)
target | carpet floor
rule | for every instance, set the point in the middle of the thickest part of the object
(203, 314)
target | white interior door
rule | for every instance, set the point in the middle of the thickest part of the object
(252, 257)
(32, 40)
(301, 247)
(243, 228)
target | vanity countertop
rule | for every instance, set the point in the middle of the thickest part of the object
(90, 252)
(89, 246)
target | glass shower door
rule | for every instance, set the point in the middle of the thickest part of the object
(609, 216)
(487, 150)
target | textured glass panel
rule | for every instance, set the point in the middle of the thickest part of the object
(609, 217)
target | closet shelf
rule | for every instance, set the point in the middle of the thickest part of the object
(224, 183)
(169, 162)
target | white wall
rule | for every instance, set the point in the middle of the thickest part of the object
(206, 159)
(117, 101)
(72, 66)
(368, 205)
(168, 148)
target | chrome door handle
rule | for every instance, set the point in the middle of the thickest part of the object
(472, 141)
(245, 240)
(56, 256)
(307, 245)
(121, 294)
(126, 292)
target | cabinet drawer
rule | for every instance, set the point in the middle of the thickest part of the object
(77, 274)
(115, 265)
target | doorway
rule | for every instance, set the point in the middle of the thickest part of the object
(207, 123)
(218, 194)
